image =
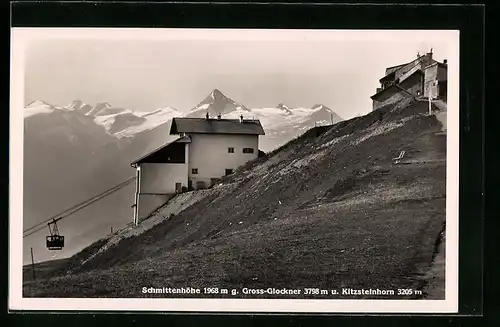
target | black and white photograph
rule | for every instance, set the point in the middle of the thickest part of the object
(234, 170)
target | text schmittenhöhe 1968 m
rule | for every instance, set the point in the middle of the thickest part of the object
(280, 291)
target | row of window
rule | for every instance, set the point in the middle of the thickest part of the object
(245, 150)
(194, 171)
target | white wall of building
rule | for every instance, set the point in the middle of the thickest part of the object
(160, 178)
(209, 154)
(429, 81)
(157, 185)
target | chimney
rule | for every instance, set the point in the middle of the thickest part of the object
(219, 116)
(241, 119)
(207, 116)
(445, 61)
(429, 55)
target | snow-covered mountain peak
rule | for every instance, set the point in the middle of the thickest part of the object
(281, 105)
(104, 104)
(217, 94)
(38, 103)
(76, 105)
(38, 107)
(148, 121)
(216, 103)
(100, 109)
(119, 122)
(284, 107)
(161, 110)
(320, 106)
(280, 122)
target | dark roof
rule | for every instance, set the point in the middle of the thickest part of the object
(388, 76)
(401, 65)
(406, 63)
(394, 85)
(183, 139)
(216, 126)
(382, 91)
(437, 63)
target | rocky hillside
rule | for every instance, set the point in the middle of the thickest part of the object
(329, 209)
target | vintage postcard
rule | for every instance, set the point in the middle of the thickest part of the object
(205, 170)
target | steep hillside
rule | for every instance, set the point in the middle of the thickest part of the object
(329, 209)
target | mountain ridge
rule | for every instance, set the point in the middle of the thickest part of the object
(122, 122)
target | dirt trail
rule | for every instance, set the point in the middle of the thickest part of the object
(441, 114)
(435, 289)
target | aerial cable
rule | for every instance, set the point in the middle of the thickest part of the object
(75, 208)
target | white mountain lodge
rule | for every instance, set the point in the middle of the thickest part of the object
(205, 150)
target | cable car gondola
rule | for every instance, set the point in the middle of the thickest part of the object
(54, 241)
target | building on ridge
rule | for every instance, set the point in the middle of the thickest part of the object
(420, 77)
(206, 149)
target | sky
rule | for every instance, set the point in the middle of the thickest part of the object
(146, 73)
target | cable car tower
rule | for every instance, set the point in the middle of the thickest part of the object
(54, 240)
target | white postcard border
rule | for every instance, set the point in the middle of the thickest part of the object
(21, 37)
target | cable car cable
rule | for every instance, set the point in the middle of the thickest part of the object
(84, 205)
(75, 208)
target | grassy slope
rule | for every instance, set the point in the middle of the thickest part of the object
(43, 269)
(329, 211)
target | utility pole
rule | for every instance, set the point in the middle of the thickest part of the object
(33, 264)
(434, 83)
(111, 229)
(429, 95)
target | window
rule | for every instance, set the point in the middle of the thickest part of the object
(247, 150)
(230, 150)
(194, 171)
(229, 171)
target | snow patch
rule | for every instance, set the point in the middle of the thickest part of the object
(38, 107)
(203, 106)
(153, 120)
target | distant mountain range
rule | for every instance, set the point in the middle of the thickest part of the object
(75, 151)
(281, 123)
(118, 122)
(122, 122)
